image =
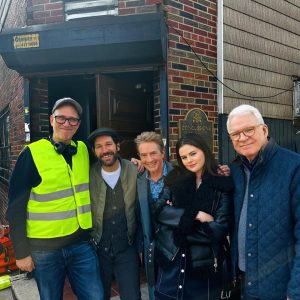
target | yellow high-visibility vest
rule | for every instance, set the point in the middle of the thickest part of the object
(60, 204)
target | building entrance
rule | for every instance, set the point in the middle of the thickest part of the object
(122, 101)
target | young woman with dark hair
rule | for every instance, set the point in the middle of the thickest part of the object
(193, 216)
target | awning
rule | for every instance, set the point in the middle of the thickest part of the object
(88, 43)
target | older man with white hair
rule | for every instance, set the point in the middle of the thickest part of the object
(266, 237)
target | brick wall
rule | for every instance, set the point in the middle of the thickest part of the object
(11, 96)
(190, 84)
(52, 11)
(39, 113)
(44, 12)
(131, 7)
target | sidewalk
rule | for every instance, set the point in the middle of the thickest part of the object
(27, 290)
(68, 294)
(6, 294)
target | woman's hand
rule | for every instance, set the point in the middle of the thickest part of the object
(169, 203)
(204, 217)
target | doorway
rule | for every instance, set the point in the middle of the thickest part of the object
(122, 101)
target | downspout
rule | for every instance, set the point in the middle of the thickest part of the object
(164, 91)
(220, 61)
(164, 109)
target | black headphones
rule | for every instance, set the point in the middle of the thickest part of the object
(61, 147)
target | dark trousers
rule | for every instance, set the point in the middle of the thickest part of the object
(124, 266)
(244, 295)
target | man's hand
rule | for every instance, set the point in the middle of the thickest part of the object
(138, 164)
(25, 264)
(223, 170)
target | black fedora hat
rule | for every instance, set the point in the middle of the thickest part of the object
(101, 132)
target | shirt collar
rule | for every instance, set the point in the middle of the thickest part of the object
(259, 157)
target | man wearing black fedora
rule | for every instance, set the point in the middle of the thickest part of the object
(113, 199)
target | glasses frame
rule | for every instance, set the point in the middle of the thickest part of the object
(67, 119)
(238, 133)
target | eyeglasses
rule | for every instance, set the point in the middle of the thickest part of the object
(249, 131)
(62, 120)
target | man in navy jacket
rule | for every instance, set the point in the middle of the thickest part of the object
(266, 236)
(149, 185)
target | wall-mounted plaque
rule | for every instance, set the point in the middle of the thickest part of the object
(196, 121)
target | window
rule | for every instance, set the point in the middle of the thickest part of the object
(4, 6)
(4, 145)
(76, 9)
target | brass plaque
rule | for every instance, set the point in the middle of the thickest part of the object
(24, 41)
(196, 121)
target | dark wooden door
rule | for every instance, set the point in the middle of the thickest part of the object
(125, 103)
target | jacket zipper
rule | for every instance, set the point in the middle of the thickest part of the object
(173, 257)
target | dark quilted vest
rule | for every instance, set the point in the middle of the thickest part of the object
(114, 234)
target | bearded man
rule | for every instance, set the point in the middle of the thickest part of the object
(113, 199)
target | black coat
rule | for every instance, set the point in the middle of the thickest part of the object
(178, 227)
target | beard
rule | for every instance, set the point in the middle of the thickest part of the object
(108, 163)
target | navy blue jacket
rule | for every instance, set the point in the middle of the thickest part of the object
(273, 223)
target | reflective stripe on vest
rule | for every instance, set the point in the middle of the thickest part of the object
(59, 215)
(60, 204)
(60, 194)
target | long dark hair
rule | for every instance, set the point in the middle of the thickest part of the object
(210, 165)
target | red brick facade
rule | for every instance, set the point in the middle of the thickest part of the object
(39, 109)
(44, 12)
(190, 84)
(130, 7)
(11, 98)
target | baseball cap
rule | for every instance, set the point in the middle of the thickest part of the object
(67, 100)
(101, 132)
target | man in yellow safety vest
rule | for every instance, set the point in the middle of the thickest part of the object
(49, 210)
